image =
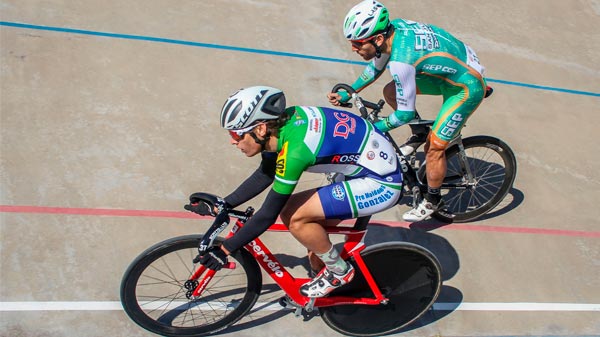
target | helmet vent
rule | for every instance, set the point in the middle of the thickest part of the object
(231, 112)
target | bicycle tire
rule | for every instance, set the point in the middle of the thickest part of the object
(154, 297)
(494, 167)
(408, 274)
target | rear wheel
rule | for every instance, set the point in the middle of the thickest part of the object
(493, 166)
(153, 290)
(408, 274)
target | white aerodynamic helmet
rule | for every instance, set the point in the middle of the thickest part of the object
(250, 106)
(366, 19)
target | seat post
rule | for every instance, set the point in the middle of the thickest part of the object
(361, 222)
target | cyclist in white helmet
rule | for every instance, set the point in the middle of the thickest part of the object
(292, 141)
(422, 59)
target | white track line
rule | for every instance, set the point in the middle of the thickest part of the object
(265, 306)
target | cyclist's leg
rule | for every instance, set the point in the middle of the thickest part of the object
(306, 221)
(305, 218)
(303, 215)
(329, 205)
(307, 212)
(460, 101)
(461, 98)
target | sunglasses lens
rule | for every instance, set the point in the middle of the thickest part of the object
(238, 135)
(235, 136)
(360, 43)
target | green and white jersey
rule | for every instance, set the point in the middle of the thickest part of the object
(327, 140)
(426, 59)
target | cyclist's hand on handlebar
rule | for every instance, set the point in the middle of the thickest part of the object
(334, 98)
(214, 258)
(201, 208)
(199, 204)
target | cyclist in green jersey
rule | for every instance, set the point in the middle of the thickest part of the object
(422, 59)
(292, 141)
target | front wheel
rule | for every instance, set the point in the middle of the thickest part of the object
(493, 166)
(153, 290)
(407, 274)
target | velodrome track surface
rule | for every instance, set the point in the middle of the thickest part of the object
(109, 120)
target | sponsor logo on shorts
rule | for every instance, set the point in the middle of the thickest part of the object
(370, 155)
(338, 193)
(449, 130)
(373, 198)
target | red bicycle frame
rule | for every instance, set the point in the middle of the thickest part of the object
(353, 245)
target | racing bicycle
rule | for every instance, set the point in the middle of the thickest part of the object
(165, 292)
(480, 169)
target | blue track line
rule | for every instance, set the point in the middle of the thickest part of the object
(258, 51)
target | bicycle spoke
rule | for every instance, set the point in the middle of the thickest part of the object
(174, 308)
(490, 166)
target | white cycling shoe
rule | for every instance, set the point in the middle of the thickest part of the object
(325, 282)
(422, 212)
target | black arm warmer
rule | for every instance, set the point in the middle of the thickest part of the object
(259, 223)
(256, 183)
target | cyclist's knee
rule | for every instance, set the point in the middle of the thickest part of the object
(301, 221)
(435, 144)
(294, 220)
(294, 227)
(296, 206)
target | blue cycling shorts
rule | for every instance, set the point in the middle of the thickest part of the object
(362, 196)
